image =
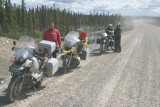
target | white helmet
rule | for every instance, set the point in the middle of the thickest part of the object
(118, 24)
(109, 25)
(104, 35)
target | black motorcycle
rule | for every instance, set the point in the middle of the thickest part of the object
(110, 42)
(103, 42)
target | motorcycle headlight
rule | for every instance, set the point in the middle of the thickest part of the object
(21, 59)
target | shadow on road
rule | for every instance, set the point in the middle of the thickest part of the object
(95, 52)
(60, 71)
(25, 94)
(3, 101)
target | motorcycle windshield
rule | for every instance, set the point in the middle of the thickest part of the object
(71, 39)
(21, 53)
(25, 41)
(24, 47)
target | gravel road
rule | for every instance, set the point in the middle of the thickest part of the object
(127, 79)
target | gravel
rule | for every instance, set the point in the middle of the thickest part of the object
(130, 78)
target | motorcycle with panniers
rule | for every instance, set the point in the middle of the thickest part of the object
(102, 40)
(74, 51)
(29, 66)
(111, 41)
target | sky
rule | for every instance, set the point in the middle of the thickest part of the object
(123, 7)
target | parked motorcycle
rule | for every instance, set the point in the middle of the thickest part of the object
(103, 42)
(27, 67)
(111, 41)
(72, 49)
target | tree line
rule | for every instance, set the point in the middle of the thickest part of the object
(17, 20)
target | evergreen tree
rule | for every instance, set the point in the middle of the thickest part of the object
(23, 16)
(29, 23)
(17, 20)
(9, 12)
(34, 23)
(1, 2)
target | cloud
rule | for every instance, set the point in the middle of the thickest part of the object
(125, 7)
(68, 1)
(157, 10)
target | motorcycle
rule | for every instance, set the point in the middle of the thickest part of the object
(111, 41)
(27, 67)
(71, 57)
(103, 42)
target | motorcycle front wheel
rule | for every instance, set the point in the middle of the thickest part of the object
(14, 89)
(112, 45)
(101, 49)
(39, 83)
(65, 64)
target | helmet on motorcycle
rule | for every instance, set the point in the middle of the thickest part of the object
(109, 25)
(83, 34)
(104, 35)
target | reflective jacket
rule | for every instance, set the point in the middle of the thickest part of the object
(52, 35)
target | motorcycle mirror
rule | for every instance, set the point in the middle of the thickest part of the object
(14, 43)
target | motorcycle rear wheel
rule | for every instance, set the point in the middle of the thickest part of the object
(111, 45)
(101, 50)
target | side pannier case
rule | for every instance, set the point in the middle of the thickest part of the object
(50, 46)
(51, 67)
(85, 54)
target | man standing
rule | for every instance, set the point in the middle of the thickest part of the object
(53, 35)
(117, 33)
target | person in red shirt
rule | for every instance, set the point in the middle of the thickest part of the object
(53, 35)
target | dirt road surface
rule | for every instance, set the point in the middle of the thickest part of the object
(127, 79)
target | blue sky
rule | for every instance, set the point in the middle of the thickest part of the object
(124, 7)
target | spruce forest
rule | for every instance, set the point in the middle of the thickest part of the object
(18, 20)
